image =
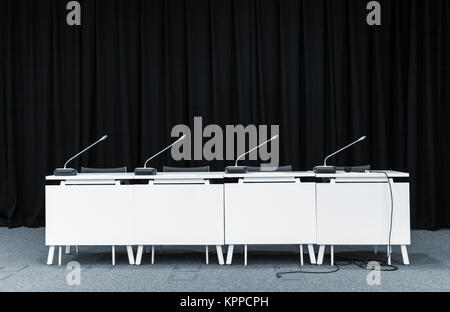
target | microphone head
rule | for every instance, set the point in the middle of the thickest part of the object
(104, 137)
(362, 138)
(180, 139)
(274, 137)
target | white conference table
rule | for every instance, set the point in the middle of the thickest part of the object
(109, 209)
(264, 208)
(217, 208)
(355, 209)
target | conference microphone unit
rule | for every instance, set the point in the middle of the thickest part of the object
(243, 169)
(332, 169)
(152, 171)
(70, 171)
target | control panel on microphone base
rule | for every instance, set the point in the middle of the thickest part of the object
(145, 171)
(324, 169)
(236, 169)
(65, 172)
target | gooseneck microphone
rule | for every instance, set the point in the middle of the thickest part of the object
(70, 171)
(332, 169)
(243, 169)
(152, 171)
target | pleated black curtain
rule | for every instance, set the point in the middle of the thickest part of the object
(134, 69)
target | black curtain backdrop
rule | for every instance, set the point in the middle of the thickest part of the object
(134, 69)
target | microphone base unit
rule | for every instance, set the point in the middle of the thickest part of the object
(65, 172)
(145, 171)
(236, 169)
(354, 168)
(324, 169)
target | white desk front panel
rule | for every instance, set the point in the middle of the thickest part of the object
(270, 213)
(359, 213)
(179, 214)
(89, 214)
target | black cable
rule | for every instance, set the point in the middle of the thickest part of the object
(337, 268)
(362, 263)
(388, 254)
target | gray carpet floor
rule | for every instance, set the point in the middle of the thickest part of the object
(23, 268)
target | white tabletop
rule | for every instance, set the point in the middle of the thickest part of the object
(271, 174)
(367, 174)
(221, 175)
(132, 176)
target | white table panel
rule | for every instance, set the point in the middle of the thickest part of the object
(270, 213)
(360, 213)
(179, 214)
(89, 214)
